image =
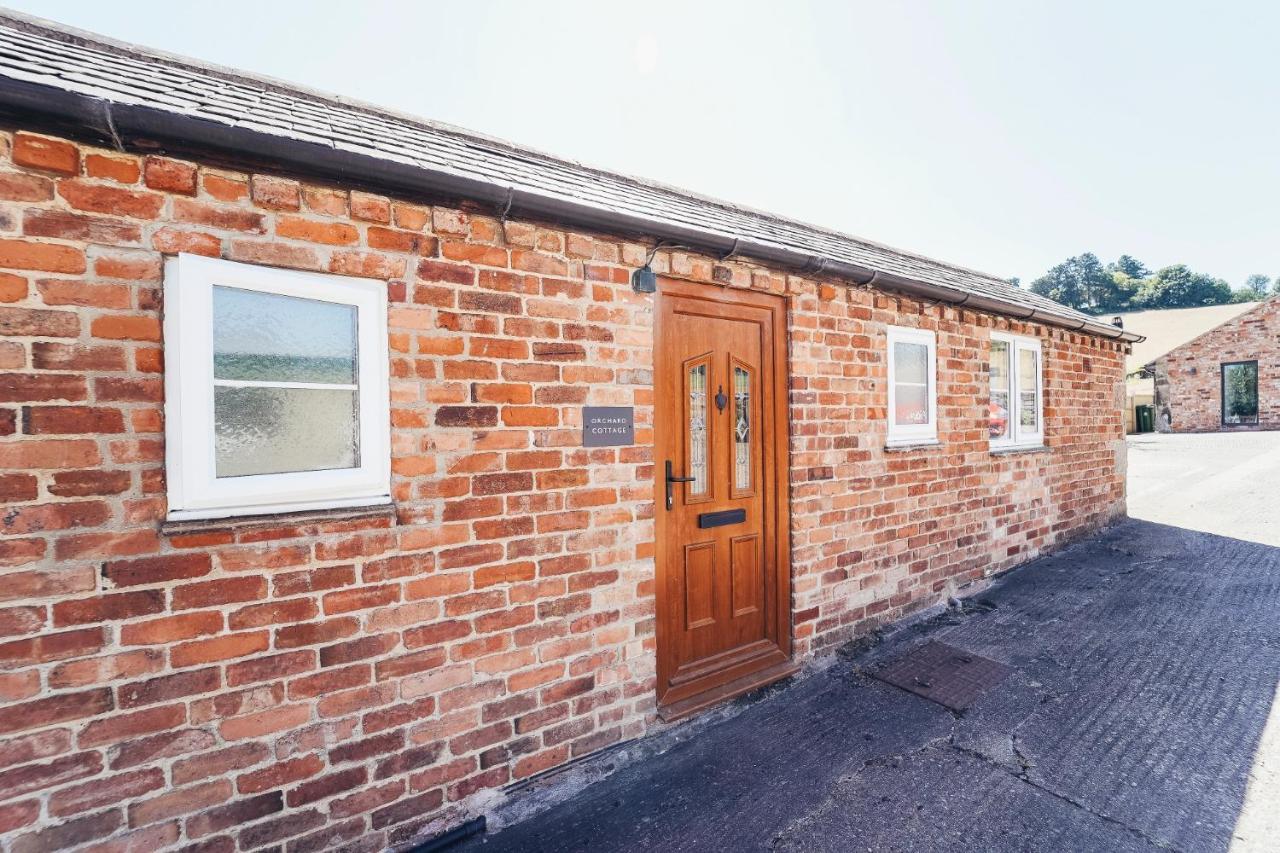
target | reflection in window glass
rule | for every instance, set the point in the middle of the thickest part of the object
(1028, 390)
(998, 409)
(910, 383)
(1240, 393)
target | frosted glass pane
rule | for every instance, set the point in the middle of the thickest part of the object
(278, 430)
(911, 363)
(911, 405)
(265, 336)
(1028, 370)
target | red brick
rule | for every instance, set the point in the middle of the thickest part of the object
(123, 170)
(78, 484)
(233, 814)
(18, 187)
(314, 231)
(161, 173)
(223, 188)
(38, 322)
(171, 628)
(64, 420)
(278, 775)
(274, 193)
(128, 328)
(134, 266)
(18, 487)
(15, 621)
(69, 834)
(219, 763)
(347, 600)
(53, 356)
(172, 241)
(180, 802)
(219, 216)
(270, 831)
(56, 709)
(219, 648)
(14, 816)
(265, 723)
(51, 647)
(327, 786)
(42, 152)
(169, 687)
(125, 726)
(65, 225)
(99, 198)
(104, 668)
(359, 649)
(157, 569)
(273, 668)
(34, 518)
(13, 288)
(313, 633)
(218, 592)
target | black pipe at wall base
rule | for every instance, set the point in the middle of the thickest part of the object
(458, 834)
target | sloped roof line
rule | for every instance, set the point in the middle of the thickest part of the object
(1243, 315)
(124, 93)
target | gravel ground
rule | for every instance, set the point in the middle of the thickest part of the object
(1145, 663)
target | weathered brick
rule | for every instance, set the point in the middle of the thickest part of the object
(43, 152)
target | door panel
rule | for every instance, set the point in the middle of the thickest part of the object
(720, 430)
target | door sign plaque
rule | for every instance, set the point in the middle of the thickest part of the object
(604, 426)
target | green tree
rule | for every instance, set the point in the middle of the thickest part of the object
(1129, 266)
(1084, 284)
(1256, 287)
(1178, 286)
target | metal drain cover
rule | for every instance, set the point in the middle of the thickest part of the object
(944, 674)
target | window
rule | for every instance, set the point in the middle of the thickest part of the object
(1015, 411)
(913, 393)
(1240, 393)
(276, 390)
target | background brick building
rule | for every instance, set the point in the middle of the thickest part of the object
(1227, 378)
(367, 677)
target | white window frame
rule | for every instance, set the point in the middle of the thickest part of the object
(1017, 435)
(926, 433)
(194, 490)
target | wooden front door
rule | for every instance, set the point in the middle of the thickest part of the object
(720, 422)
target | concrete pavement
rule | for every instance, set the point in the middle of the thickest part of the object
(1145, 666)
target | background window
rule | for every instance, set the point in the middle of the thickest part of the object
(1015, 409)
(912, 386)
(276, 390)
(1240, 392)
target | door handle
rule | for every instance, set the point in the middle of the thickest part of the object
(672, 479)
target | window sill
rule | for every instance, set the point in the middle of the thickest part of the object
(911, 444)
(1015, 449)
(186, 527)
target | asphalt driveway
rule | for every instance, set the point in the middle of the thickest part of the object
(1145, 662)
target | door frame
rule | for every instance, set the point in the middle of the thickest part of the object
(761, 666)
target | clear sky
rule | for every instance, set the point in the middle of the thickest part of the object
(998, 135)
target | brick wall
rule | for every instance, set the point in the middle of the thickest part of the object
(360, 680)
(1189, 379)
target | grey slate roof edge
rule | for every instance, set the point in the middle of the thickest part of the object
(259, 112)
